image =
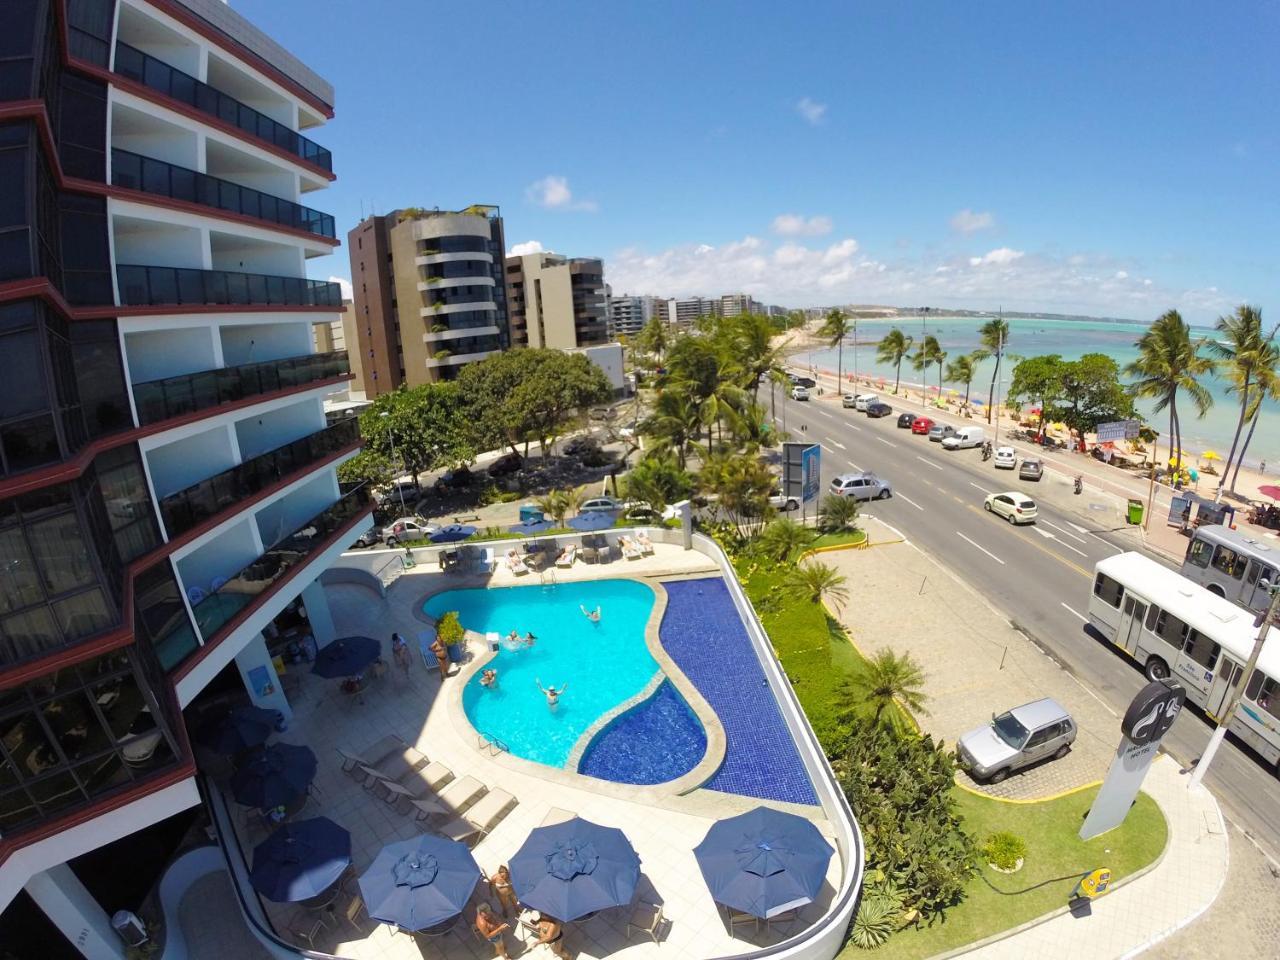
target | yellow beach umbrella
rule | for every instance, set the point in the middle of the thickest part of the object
(1210, 455)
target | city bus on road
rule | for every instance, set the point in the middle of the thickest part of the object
(1170, 626)
(1231, 564)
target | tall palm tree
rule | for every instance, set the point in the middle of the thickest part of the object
(892, 349)
(961, 370)
(889, 678)
(783, 540)
(1241, 348)
(928, 353)
(1169, 361)
(674, 422)
(819, 581)
(835, 327)
(1266, 387)
(752, 346)
(995, 337)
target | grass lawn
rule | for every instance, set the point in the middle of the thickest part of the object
(838, 539)
(1053, 850)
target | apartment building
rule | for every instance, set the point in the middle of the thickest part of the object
(556, 301)
(688, 310)
(429, 296)
(168, 483)
(628, 315)
(736, 304)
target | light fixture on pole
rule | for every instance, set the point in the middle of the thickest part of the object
(391, 437)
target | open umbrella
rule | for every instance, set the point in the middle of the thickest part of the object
(1211, 455)
(300, 860)
(275, 777)
(596, 520)
(346, 656)
(452, 533)
(1270, 490)
(418, 883)
(574, 868)
(764, 862)
(531, 526)
(240, 728)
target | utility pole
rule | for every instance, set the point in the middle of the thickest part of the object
(855, 355)
(1151, 488)
(1273, 589)
(999, 383)
(391, 437)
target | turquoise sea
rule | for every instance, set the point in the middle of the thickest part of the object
(1071, 339)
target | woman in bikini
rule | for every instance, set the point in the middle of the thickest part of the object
(504, 891)
(552, 934)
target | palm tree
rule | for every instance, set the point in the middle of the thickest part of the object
(1170, 361)
(819, 581)
(783, 540)
(834, 329)
(961, 370)
(751, 342)
(892, 349)
(838, 514)
(675, 423)
(1242, 347)
(1267, 386)
(889, 678)
(995, 337)
(928, 353)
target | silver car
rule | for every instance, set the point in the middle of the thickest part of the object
(1018, 738)
(861, 486)
(940, 431)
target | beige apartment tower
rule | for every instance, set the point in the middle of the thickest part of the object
(556, 301)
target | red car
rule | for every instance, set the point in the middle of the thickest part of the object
(921, 425)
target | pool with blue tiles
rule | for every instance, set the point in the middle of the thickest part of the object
(655, 741)
(703, 634)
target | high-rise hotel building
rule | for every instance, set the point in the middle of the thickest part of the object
(168, 484)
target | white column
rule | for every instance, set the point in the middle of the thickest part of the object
(260, 678)
(71, 907)
(319, 616)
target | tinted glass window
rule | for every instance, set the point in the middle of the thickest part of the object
(1265, 692)
(1107, 589)
(1201, 649)
(1228, 562)
(1199, 553)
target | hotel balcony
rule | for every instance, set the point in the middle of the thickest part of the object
(143, 68)
(136, 172)
(445, 359)
(177, 286)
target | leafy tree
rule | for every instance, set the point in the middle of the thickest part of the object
(1169, 362)
(893, 348)
(699, 368)
(1038, 379)
(558, 504)
(888, 678)
(652, 339)
(783, 540)
(819, 581)
(368, 466)
(994, 335)
(423, 428)
(1092, 393)
(659, 481)
(961, 370)
(928, 353)
(838, 514)
(742, 485)
(835, 328)
(1243, 348)
(674, 424)
(1267, 387)
(750, 338)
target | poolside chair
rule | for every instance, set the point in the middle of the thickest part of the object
(452, 800)
(369, 756)
(418, 783)
(425, 639)
(395, 765)
(480, 820)
(487, 560)
(739, 919)
(644, 543)
(515, 563)
(630, 549)
(566, 559)
(646, 918)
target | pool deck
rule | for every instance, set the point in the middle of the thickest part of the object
(664, 830)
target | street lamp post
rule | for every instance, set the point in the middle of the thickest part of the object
(399, 486)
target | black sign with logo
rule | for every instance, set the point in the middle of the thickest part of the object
(1153, 711)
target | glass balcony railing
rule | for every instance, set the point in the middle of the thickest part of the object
(137, 172)
(158, 75)
(187, 508)
(142, 286)
(215, 606)
(158, 400)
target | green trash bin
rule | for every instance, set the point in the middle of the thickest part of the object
(1135, 512)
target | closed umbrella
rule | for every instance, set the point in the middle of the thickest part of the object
(764, 862)
(345, 657)
(275, 777)
(240, 728)
(453, 533)
(300, 860)
(418, 883)
(574, 868)
(592, 521)
(531, 526)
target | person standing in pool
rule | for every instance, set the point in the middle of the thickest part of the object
(592, 615)
(551, 693)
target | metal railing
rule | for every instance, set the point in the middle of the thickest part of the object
(143, 286)
(158, 400)
(185, 509)
(136, 172)
(390, 571)
(172, 82)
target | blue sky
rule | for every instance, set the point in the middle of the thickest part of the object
(1084, 157)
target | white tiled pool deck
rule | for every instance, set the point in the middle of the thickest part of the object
(663, 832)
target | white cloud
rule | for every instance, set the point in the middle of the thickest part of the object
(796, 225)
(1000, 256)
(968, 221)
(1122, 274)
(813, 112)
(345, 284)
(529, 246)
(553, 193)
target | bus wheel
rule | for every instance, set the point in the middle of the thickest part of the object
(1157, 669)
(1216, 590)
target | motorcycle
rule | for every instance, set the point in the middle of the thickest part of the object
(1079, 483)
(986, 450)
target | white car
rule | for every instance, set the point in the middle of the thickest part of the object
(799, 393)
(408, 529)
(849, 401)
(780, 501)
(601, 505)
(1006, 459)
(1013, 506)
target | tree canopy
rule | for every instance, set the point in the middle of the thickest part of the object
(422, 428)
(1092, 393)
(1039, 380)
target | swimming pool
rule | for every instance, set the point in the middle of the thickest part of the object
(602, 663)
(653, 742)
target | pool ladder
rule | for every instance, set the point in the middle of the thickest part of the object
(495, 746)
(548, 577)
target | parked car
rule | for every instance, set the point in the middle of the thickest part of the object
(1013, 506)
(849, 401)
(1016, 739)
(506, 464)
(1031, 469)
(581, 446)
(780, 501)
(861, 486)
(921, 425)
(408, 529)
(454, 480)
(905, 420)
(799, 393)
(964, 438)
(940, 431)
(1006, 459)
(878, 409)
(807, 382)
(601, 505)
(864, 400)
(370, 537)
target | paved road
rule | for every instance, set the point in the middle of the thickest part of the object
(1037, 575)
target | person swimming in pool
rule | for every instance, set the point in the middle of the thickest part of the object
(489, 679)
(551, 693)
(592, 615)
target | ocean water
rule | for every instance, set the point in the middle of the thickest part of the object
(1072, 339)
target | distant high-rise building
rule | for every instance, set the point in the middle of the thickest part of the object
(734, 304)
(556, 301)
(429, 294)
(629, 315)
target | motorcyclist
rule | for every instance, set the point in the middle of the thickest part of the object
(986, 450)
(1079, 483)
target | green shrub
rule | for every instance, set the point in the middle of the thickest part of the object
(449, 628)
(875, 922)
(1004, 850)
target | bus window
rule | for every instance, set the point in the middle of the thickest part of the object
(1265, 692)
(1153, 614)
(1168, 628)
(1226, 560)
(1107, 590)
(1201, 649)
(1259, 570)
(1199, 553)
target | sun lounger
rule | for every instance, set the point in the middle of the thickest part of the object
(358, 764)
(417, 784)
(480, 819)
(515, 563)
(396, 765)
(461, 794)
(645, 544)
(566, 559)
(630, 549)
(425, 639)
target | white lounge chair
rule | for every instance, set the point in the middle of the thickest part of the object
(645, 544)
(569, 555)
(480, 819)
(630, 549)
(515, 563)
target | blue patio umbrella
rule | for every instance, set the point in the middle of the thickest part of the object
(452, 533)
(275, 776)
(346, 656)
(418, 883)
(764, 862)
(574, 868)
(300, 860)
(240, 728)
(531, 526)
(592, 521)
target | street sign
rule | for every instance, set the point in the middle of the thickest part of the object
(1119, 430)
(802, 470)
(811, 472)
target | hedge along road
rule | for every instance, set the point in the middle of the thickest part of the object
(1039, 575)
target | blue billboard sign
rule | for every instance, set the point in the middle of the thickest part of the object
(811, 472)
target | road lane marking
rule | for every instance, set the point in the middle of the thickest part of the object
(903, 496)
(1076, 526)
(837, 443)
(889, 442)
(983, 549)
(852, 426)
(1106, 543)
(1083, 618)
(1044, 533)
(1060, 530)
(1062, 543)
(983, 489)
(929, 462)
(1087, 574)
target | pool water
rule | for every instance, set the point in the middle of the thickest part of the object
(653, 742)
(602, 663)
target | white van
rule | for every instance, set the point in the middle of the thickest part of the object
(965, 437)
(864, 400)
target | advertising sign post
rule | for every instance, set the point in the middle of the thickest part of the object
(802, 473)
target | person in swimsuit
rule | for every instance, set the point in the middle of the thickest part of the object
(552, 934)
(592, 615)
(504, 891)
(489, 679)
(491, 928)
(400, 652)
(442, 658)
(551, 693)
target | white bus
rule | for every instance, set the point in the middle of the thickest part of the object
(1231, 564)
(1173, 627)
